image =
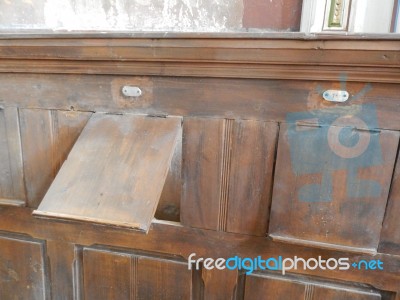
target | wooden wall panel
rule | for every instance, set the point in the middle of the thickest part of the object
(297, 288)
(227, 174)
(250, 176)
(109, 274)
(47, 137)
(61, 260)
(12, 190)
(220, 284)
(390, 237)
(262, 288)
(106, 275)
(324, 199)
(23, 270)
(203, 157)
(255, 99)
(162, 279)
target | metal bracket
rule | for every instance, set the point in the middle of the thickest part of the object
(336, 95)
(131, 91)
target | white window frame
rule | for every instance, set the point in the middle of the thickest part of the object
(356, 16)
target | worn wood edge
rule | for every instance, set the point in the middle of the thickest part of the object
(245, 33)
(78, 218)
(290, 240)
(12, 202)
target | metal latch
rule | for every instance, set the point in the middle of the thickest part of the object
(336, 95)
(131, 91)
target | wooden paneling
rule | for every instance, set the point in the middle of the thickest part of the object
(162, 279)
(260, 287)
(227, 173)
(23, 270)
(119, 275)
(12, 190)
(250, 177)
(390, 237)
(266, 100)
(220, 284)
(115, 172)
(177, 240)
(202, 167)
(47, 137)
(106, 275)
(61, 260)
(326, 195)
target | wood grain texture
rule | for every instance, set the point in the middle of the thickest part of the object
(227, 163)
(202, 170)
(390, 237)
(261, 288)
(173, 239)
(163, 279)
(203, 56)
(250, 176)
(23, 270)
(219, 284)
(115, 172)
(12, 190)
(292, 287)
(265, 100)
(47, 137)
(322, 198)
(106, 275)
(61, 260)
(110, 274)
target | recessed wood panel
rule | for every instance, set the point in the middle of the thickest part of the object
(106, 275)
(12, 190)
(262, 288)
(115, 172)
(109, 274)
(161, 279)
(328, 191)
(23, 273)
(290, 287)
(47, 137)
(227, 173)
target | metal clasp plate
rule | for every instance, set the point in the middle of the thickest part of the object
(336, 95)
(131, 91)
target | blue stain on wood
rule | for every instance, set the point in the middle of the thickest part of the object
(325, 146)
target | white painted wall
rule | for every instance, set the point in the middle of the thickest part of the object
(135, 15)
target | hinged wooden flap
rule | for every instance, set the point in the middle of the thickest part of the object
(115, 173)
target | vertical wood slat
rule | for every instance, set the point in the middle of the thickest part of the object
(47, 137)
(202, 151)
(61, 260)
(227, 174)
(12, 190)
(390, 235)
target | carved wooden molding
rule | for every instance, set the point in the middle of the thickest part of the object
(272, 57)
